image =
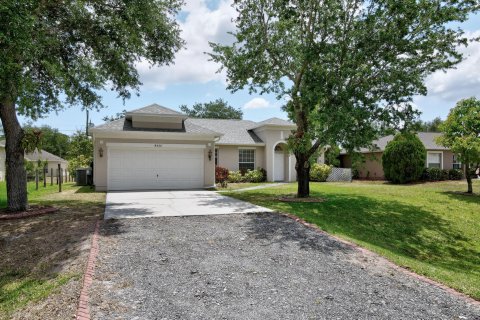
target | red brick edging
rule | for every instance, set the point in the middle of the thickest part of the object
(390, 263)
(83, 309)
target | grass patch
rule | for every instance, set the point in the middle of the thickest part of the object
(242, 185)
(42, 254)
(427, 228)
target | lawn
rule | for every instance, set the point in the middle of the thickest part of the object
(427, 228)
(241, 185)
(43, 258)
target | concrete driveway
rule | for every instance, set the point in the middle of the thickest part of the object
(143, 204)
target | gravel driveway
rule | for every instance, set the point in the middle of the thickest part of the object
(251, 266)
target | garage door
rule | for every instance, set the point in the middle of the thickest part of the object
(156, 168)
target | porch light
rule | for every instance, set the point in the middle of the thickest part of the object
(210, 155)
(100, 152)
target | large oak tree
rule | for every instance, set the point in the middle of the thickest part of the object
(345, 66)
(57, 53)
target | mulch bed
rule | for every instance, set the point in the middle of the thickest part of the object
(33, 211)
(293, 198)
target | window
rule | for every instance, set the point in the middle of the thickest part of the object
(434, 160)
(246, 159)
(456, 164)
(216, 156)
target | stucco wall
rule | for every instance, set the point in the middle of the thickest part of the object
(228, 156)
(100, 163)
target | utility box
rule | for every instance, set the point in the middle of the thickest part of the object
(83, 176)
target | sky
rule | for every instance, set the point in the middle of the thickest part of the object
(193, 78)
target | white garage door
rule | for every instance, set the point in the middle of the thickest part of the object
(164, 168)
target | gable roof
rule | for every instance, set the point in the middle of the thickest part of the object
(36, 155)
(427, 138)
(274, 122)
(156, 109)
(234, 131)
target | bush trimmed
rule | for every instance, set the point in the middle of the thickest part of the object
(455, 174)
(404, 158)
(256, 176)
(221, 175)
(319, 172)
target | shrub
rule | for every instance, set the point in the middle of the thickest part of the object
(319, 172)
(253, 176)
(221, 175)
(455, 174)
(235, 176)
(404, 159)
(434, 174)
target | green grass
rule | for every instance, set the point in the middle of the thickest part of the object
(34, 195)
(427, 228)
(242, 185)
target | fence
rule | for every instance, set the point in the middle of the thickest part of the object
(340, 174)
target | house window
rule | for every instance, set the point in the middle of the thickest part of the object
(456, 164)
(434, 160)
(216, 156)
(246, 159)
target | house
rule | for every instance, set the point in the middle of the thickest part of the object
(53, 161)
(437, 156)
(159, 148)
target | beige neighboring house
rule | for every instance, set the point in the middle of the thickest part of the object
(43, 155)
(437, 156)
(158, 148)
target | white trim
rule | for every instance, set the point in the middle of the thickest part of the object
(155, 145)
(252, 145)
(254, 157)
(441, 158)
(157, 135)
(247, 148)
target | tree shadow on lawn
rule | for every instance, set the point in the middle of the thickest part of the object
(405, 230)
(42, 253)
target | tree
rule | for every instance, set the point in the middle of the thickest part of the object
(428, 126)
(80, 153)
(404, 157)
(461, 134)
(344, 66)
(218, 109)
(62, 54)
(331, 156)
(53, 141)
(116, 116)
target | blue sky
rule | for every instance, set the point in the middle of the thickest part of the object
(194, 79)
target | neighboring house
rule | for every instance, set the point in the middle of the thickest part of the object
(52, 159)
(437, 156)
(158, 148)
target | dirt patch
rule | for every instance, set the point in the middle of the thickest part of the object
(51, 248)
(33, 211)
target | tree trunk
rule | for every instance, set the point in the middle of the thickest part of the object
(303, 177)
(16, 175)
(469, 178)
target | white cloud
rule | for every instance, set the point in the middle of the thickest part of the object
(201, 25)
(462, 82)
(257, 103)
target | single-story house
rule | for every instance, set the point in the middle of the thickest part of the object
(437, 156)
(53, 161)
(155, 147)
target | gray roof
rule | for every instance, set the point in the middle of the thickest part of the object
(156, 109)
(124, 124)
(42, 155)
(274, 122)
(234, 131)
(427, 138)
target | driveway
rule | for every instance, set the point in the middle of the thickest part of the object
(142, 204)
(251, 266)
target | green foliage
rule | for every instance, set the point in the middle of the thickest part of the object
(461, 133)
(428, 126)
(218, 109)
(80, 161)
(434, 174)
(52, 140)
(254, 176)
(404, 159)
(32, 139)
(331, 156)
(235, 176)
(455, 174)
(80, 144)
(319, 172)
(345, 66)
